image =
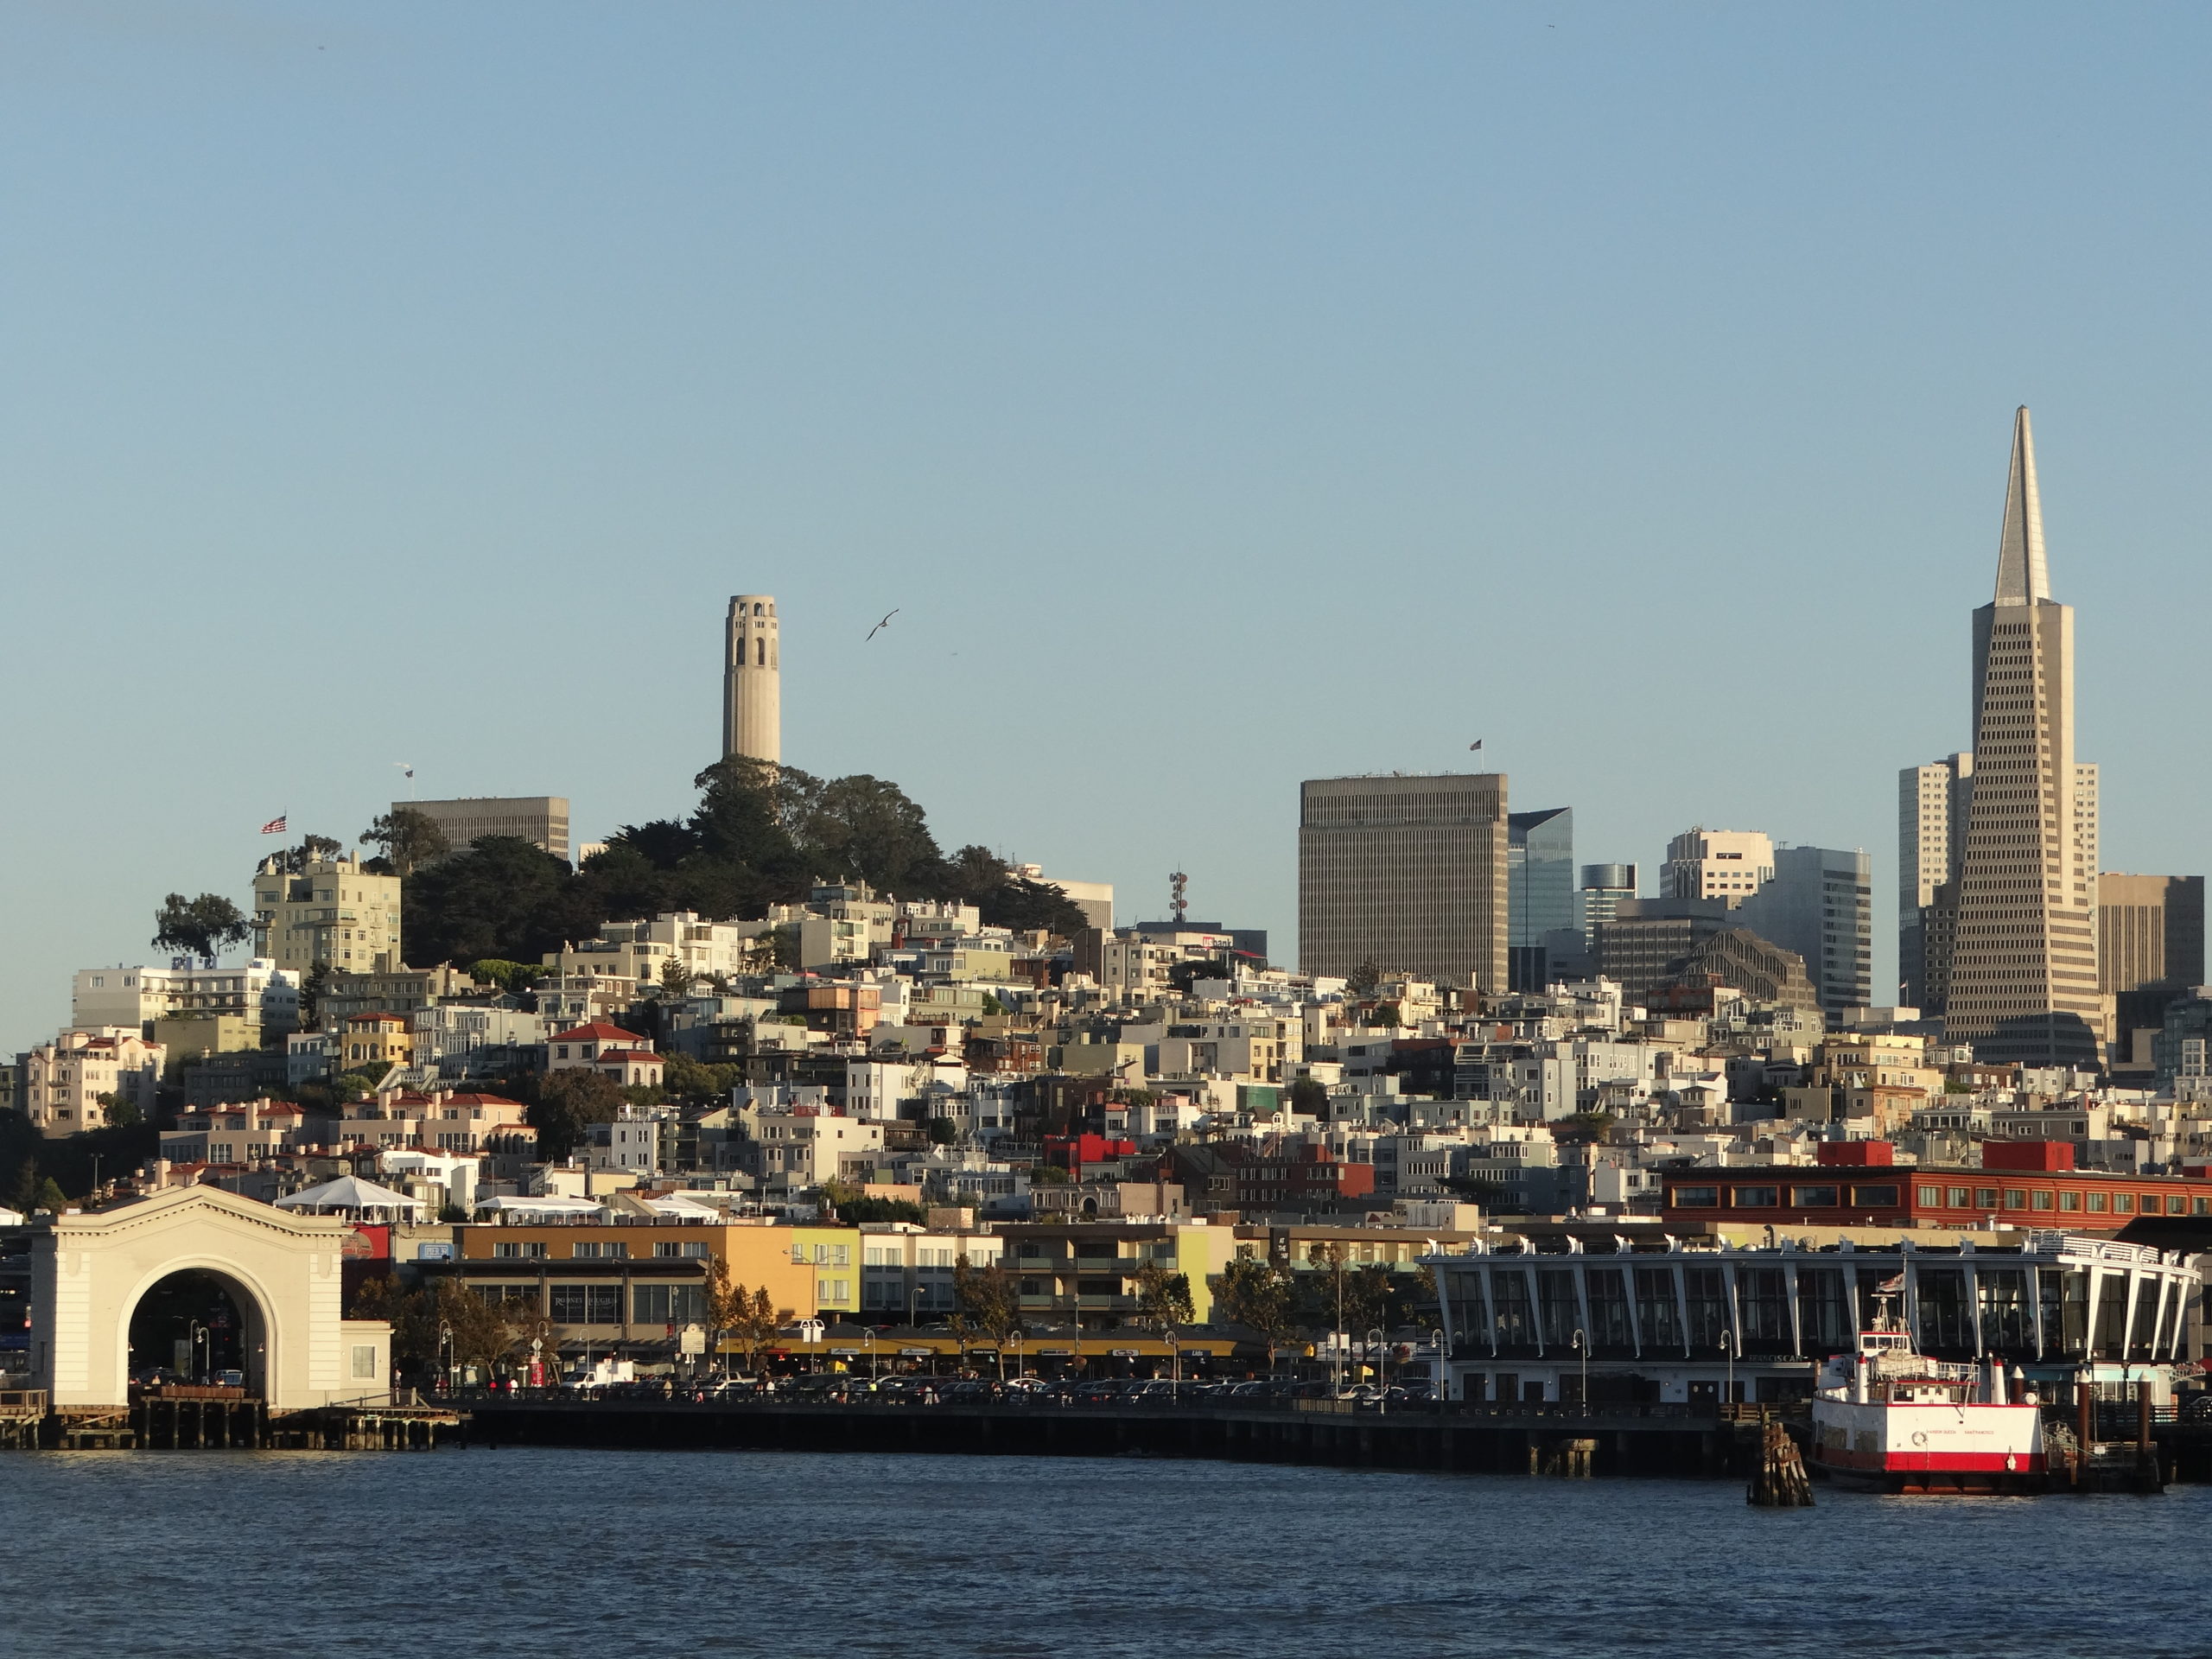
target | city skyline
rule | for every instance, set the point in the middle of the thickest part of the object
(1412, 350)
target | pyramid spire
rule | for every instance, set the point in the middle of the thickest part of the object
(2022, 577)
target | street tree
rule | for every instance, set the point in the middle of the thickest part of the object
(1255, 1293)
(987, 1301)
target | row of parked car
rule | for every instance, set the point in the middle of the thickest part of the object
(851, 1387)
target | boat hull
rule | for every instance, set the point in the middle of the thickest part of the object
(1930, 1449)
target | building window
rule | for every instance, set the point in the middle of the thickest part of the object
(526, 1248)
(365, 1362)
(2123, 1204)
(1815, 1196)
(1874, 1196)
(2097, 1203)
(1960, 1198)
(587, 1304)
(669, 1305)
(2016, 1198)
(1755, 1197)
(1931, 1197)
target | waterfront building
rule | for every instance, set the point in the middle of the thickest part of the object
(2024, 981)
(1406, 873)
(752, 706)
(542, 820)
(2020, 1184)
(1622, 1318)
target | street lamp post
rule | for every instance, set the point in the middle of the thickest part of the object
(1438, 1381)
(1730, 1342)
(1582, 1348)
(869, 1337)
(1174, 1365)
(201, 1334)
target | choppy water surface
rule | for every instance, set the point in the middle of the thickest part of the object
(602, 1553)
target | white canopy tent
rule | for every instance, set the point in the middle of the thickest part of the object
(349, 1195)
(551, 1207)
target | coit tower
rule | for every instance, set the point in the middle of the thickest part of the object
(753, 712)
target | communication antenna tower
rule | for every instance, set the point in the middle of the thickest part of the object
(1177, 903)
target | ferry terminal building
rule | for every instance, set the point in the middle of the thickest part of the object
(1657, 1319)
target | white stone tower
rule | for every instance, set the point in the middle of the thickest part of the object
(752, 700)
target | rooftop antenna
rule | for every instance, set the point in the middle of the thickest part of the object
(1177, 903)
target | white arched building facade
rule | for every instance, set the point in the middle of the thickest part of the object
(281, 1271)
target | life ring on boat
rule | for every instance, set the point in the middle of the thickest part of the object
(2011, 1462)
(1920, 1437)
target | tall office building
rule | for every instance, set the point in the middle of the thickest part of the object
(1408, 873)
(540, 818)
(1603, 889)
(1819, 903)
(2150, 945)
(2024, 983)
(1932, 804)
(1730, 864)
(1540, 891)
(753, 697)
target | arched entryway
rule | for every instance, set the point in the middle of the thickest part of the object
(195, 1282)
(198, 1325)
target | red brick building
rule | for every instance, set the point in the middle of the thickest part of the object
(2024, 1184)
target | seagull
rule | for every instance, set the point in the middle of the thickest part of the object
(881, 626)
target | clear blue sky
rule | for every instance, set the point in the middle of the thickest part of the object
(1225, 395)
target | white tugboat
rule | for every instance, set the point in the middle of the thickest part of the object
(1891, 1418)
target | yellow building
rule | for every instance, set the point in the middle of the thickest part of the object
(585, 1277)
(327, 910)
(371, 1042)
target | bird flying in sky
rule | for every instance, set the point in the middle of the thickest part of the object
(881, 626)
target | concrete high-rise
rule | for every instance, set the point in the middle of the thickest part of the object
(540, 818)
(1407, 873)
(2024, 981)
(1819, 903)
(752, 698)
(2150, 945)
(1730, 864)
(1603, 889)
(1932, 803)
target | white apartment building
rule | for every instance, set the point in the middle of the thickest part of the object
(1254, 1048)
(329, 910)
(453, 1031)
(63, 1080)
(875, 1088)
(1728, 864)
(637, 952)
(796, 1150)
(260, 992)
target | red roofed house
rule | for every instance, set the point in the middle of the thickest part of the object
(609, 1049)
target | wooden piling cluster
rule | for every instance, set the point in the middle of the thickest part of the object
(1780, 1481)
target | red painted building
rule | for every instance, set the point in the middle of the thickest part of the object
(2024, 1184)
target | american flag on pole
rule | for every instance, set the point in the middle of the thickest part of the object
(275, 825)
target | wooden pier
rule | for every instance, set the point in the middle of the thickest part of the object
(1540, 1441)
